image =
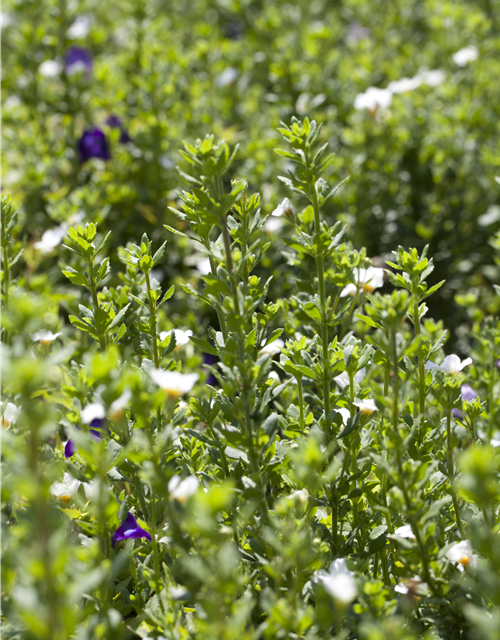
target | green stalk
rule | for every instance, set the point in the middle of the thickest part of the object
(421, 364)
(451, 475)
(155, 550)
(95, 301)
(301, 403)
(491, 426)
(152, 321)
(6, 287)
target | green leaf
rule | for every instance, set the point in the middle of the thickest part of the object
(204, 346)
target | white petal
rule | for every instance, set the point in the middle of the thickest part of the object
(93, 411)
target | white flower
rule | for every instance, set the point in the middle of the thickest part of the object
(495, 442)
(93, 411)
(283, 208)
(343, 379)
(50, 68)
(450, 365)
(405, 532)
(338, 581)
(68, 487)
(366, 279)
(273, 347)
(204, 266)
(345, 413)
(181, 337)
(50, 239)
(116, 408)
(461, 554)
(228, 76)
(272, 225)
(409, 585)
(10, 413)
(45, 337)
(174, 384)
(465, 55)
(404, 84)
(182, 490)
(432, 78)
(366, 406)
(372, 99)
(274, 377)
(301, 494)
(80, 27)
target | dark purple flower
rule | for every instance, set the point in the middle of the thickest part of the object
(115, 123)
(95, 429)
(129, 530)
(93, 144)
(69, 449)
(78, 59)
(456, 413)
(209, 359)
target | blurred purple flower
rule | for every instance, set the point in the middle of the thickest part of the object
(95, 431)
(210, 360)
(129, 530)
(78, 59)
(497, 363)
(93, 144)
(69, 449)
(115, 123)
(468, 394)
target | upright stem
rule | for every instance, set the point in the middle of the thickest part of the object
(301, 404)
(421, 364)
(155, 549)
(6, 271)
(95, 301)
(320, 267)
(491, 426)
(152, 321)
(451, 475)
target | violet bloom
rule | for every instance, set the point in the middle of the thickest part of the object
(468, 394)
(69, 449)
(129, 530)
(93, 144)
(95, 432)
(497, 364)
(210, 360)
(78, 59)
(115, 123)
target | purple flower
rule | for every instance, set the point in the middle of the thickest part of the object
(78, 59)
(93, 144)
(497, 363)
(468, 394)
(210, 360)
(115, 123)
(69, 449)
(129, 530)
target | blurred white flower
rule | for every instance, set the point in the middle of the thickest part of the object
(45, 337)
(228, 76)
(174, 383)
(272, 225)
(366, 406)
(462, 555)
(274, 377)
(432, 78)
(450, 365)
(181, 337)
(182, 490)
(495, 442)
(345, 413)
(404, 84)
(10, 413)
(343, 378)
(373, 99)
(80, 27)
(50, 68)
(68, 487)
(366, 279)
(93, 411)
(50, 239)
(338, 581)
(5, 19)
(409, 586)
(465, 55)
(405, 532)
(116, 408)
(283, 208)
(273, 347)
(301, 494)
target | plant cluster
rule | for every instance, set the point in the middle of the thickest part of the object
(312, 463)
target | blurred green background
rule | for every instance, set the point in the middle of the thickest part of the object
(423, 153)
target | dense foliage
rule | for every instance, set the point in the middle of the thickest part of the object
(221, 419)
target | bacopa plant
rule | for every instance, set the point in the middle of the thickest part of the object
(311, 465)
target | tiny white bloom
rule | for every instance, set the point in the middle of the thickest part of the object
(450, 365)
(80, 27)
(274, 377)
(181, 337)
(338, 581)
(10, 413)
(283, 208)
(461, 554)
(204, 266)
(343, 378)
(116, 407)
(409, 585)
(405, 532)
(432, 78)
(301, 494)
(366, 279)
(372, 99)
(50, 239)
(404, 84)
(228, 76)
(68, 487)
(50, 68)
(93, 411)
(182, 490)
(45, 337)
(465, 55)
(174, 384)
(401, 588)
(366, 406)
(272, 225)
(345, 413)
(273, 347)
